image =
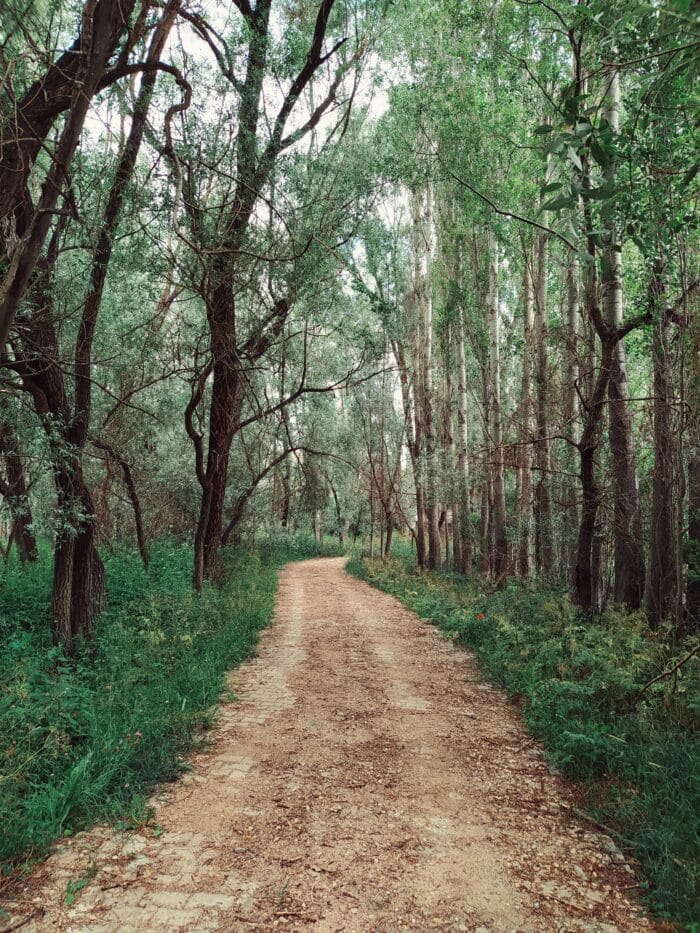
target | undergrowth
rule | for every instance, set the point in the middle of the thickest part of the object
(82, 740)
(578, 684)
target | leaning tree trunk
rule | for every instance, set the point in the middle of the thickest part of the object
(69, 85)
(627, 517)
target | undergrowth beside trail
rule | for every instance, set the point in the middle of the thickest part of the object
(84, 739)
(578, 683)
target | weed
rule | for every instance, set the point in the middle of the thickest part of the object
(73, 888)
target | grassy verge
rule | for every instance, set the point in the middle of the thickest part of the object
(578, 683)
(84, 740)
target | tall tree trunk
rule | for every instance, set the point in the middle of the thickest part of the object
(627, 518)
(526, 424)
(485, 548)
(663, 559)
(463, 503)
(500, 556)
(570, 417)
(413, 441)
(693, 546)
(423, 220)
(586, 571)
(544, 547)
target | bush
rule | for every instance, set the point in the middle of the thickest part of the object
(579, 683)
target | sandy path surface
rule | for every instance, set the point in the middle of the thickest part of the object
(366, 780)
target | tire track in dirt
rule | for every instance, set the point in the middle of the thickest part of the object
(365, 780)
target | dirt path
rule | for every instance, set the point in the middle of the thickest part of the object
(366, 780)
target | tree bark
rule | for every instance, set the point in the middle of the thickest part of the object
(463, 499)
(585, 585)
(423, 249)
(544, 547)
(500, 555)
(627, 518)
(693, 546)
(15, 494)
(526, 424)
(662, 577)
(570, 498)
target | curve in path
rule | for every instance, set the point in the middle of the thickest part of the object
(365, 780)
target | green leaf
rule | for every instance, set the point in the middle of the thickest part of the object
(555, 145)
(599, 154)
(573, 157)
(543, 129)
(557, 204)
(553, 186)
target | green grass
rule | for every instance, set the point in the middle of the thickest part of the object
(84, 740)
(578, 682)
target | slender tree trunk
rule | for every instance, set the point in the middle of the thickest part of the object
(662, 578)
(411, 426)
(463, 499)
(586, 570)
(693, 547)
(486, 551)
(544, 547)
(570, 416)
(627, 520)
(132, 492)
(424, 242)
(500, 555)
(527, 428)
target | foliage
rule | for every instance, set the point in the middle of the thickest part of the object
(578, 684)
(83, 740)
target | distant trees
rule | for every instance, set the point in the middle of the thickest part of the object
(582, 460)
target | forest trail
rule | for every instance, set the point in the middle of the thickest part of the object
(365, 780)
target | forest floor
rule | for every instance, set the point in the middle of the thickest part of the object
(366, 779)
